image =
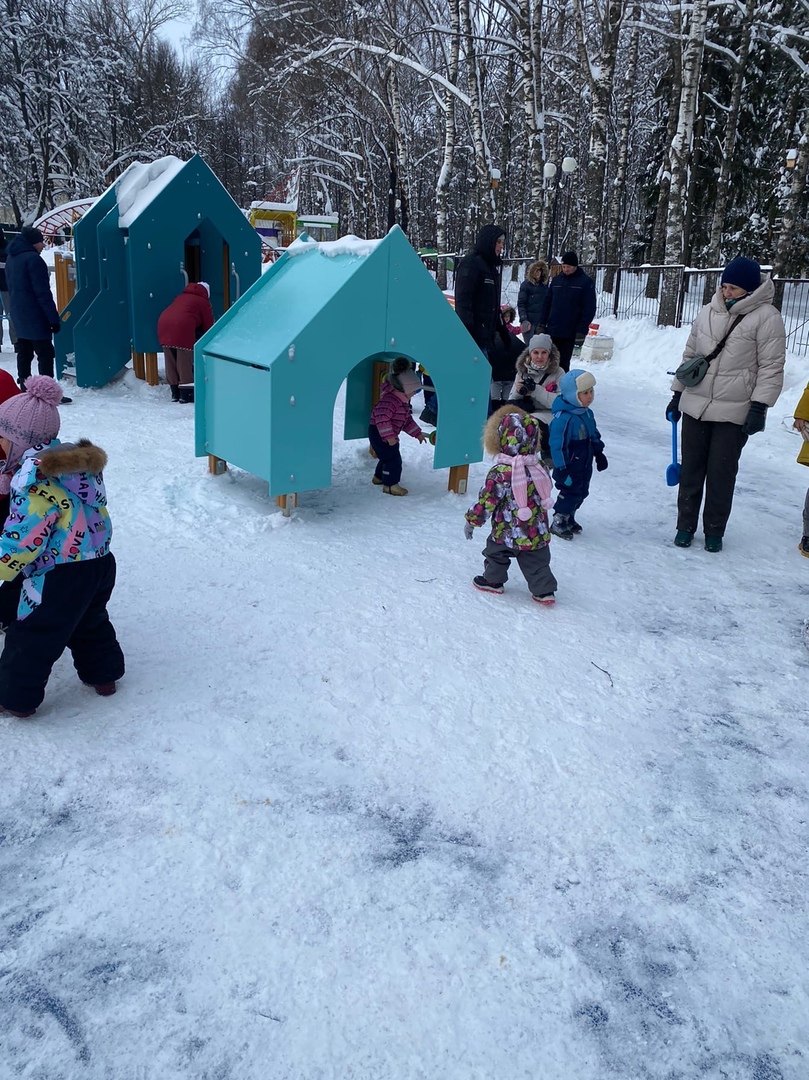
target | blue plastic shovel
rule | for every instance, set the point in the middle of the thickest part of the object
(673, 470)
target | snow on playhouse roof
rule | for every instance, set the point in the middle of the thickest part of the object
(346, 245)
(140, 184)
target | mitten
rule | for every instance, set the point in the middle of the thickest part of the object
(562, 478)
(756, 418)
(525, 326)
(56, 327)
(601, 461)
(580, 340)
(673, 407)
(468, 530)
(551, 387)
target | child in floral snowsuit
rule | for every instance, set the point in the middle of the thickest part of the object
(517, 495)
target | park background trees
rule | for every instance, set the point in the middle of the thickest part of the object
(689, 123)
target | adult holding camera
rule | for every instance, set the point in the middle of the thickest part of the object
(732, 372)
(536, 384)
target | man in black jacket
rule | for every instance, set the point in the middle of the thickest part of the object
(32, 306)
(477, 287)
(5, 299)
(569, 307)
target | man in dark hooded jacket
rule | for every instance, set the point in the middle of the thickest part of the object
(33, 310)
(477, 287)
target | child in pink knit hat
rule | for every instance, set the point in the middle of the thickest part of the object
(55, 562)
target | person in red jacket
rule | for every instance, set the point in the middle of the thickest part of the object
(179, 327)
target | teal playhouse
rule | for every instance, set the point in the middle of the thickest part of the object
(159, 226)
(268, 372)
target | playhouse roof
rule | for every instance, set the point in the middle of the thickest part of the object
(141, 183)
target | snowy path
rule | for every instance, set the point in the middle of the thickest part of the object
(347, 817)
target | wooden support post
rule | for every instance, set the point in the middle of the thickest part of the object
(65, 274)
(138, 365)
(288, 503)
(458, 477)
(217, 465)
(381, 368)
(152, 378)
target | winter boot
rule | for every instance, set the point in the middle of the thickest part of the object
(375, 480)
(713, 543)
(683, 538)
(803, 546)
(175, 391)
(486, 586)
(19, 715)
(428, 416)
(186, 395)
(548, 600)
(394, 489)
(560, 526)
(106, 689)
(574, 525)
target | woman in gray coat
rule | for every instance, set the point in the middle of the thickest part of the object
(731, 402)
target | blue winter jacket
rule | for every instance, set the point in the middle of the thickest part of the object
(33, 310)
(572, 423)
(569, 305)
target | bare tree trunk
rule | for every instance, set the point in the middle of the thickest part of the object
(613, 246)
(681, 150)
(790, 220)
(483, 202)
(532, 81)
(600, 74)
(658, 246)
(501, 200)
(447, 165)
(722, 196)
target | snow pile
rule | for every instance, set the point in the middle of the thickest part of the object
(140, 183)
(346, 245)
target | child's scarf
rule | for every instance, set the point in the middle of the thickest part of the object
(521, 466)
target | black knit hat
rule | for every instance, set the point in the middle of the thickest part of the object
(570, 258)
(32, 235)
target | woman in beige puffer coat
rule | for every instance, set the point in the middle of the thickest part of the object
(731, 402)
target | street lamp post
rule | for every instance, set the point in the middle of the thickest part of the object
(549, 172)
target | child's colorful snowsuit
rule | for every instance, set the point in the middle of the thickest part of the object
(519, 519)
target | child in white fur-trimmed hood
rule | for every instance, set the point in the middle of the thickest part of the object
(55, 562)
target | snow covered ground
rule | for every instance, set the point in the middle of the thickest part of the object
(348, 818)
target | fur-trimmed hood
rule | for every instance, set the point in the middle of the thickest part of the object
(511, 430)
(64, 458)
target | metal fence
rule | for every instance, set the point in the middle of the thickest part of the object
(635, 292)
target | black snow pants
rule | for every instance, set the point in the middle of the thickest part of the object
(72, 615)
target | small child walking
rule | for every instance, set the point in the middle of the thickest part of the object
(56, 540)
(801, 424)
(389, 418)
(517, 495)
(575, 443)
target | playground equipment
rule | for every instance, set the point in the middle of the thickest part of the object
(596, 346)
(157, 227)
(267, 374)
(60, 221)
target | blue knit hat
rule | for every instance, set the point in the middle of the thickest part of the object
(742, 272)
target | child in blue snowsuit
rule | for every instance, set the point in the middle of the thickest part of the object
(575, 444)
